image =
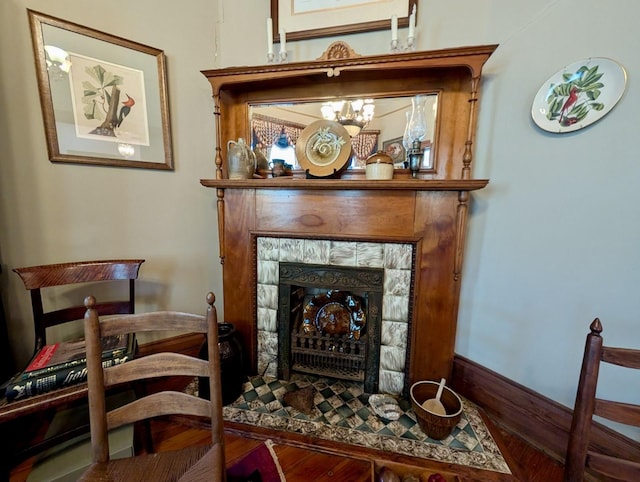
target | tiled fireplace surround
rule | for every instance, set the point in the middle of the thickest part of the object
(297, 220)
(395, 259)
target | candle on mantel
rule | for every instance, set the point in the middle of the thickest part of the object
(412, 23)
(394, 28)
(270, 36)
(283, 41)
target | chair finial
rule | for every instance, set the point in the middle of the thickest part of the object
(596, 327)
(211, 298)
(89, 302)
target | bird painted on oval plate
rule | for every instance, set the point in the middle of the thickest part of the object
(125, 109)
(573, 97)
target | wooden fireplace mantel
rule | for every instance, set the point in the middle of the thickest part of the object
(429, 212)
(339, 184)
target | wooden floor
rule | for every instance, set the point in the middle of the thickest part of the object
(529, 464)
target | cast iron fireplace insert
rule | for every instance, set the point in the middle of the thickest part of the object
(341, 356)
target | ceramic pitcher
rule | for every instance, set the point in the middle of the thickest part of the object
(241, 161)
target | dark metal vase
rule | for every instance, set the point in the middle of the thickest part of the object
(231, 365)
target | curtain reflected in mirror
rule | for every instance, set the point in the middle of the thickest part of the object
(275, 129)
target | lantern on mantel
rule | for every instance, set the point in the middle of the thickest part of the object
(416, 130)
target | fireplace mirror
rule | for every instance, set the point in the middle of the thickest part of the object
(448, 78)
(276, 126)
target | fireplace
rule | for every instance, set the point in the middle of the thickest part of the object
(427, 212)
(329, 322)
(291, 272)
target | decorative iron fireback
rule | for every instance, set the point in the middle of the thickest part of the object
(335, 355)
(344, 278)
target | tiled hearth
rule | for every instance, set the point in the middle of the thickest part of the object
(341, 413)
(394, 259)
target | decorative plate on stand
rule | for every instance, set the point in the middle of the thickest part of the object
(334, 313)
(579, 95)
(323, 148)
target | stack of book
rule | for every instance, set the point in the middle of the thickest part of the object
(62, 364)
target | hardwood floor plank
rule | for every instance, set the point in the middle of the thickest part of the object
(304, 464)
(533, 465)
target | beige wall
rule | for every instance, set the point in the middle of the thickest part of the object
(553, 239)
(53, 213)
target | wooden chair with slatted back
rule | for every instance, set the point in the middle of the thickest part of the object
(164, 465)
(37, 278)
(581, 455)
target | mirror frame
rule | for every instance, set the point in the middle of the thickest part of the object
(453, 74)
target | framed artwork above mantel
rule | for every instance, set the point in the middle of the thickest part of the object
(307, 19)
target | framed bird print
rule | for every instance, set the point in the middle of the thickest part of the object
(579, 95)
(104, 99)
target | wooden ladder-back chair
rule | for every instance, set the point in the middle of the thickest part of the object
(165, 465)
(38, 278)
(581, 455)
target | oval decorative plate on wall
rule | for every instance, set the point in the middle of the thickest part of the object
(579, 95)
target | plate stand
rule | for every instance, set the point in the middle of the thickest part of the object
(336, 175)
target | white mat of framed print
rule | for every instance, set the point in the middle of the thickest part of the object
(304, 19)
(104, 99)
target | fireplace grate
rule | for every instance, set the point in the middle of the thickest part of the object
(329, 355)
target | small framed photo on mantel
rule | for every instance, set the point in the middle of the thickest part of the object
(104, 99)
(306, 19)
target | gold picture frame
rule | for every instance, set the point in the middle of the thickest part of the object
(104, 99)
(319, 18)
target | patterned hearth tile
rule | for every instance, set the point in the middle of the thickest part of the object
(341, 413)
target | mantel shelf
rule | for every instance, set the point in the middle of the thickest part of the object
(350, 184)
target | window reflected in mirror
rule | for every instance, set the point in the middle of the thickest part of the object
(374, 125)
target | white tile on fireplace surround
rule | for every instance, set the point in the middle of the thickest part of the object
(268, 249)
(395, 308)
(316, 251)
(394, 333)
(397, 282)
(398, 256)
(268, 272)
(369, 255)
(267, 319)
(267, 296)
(291, 250)
(391, 382)
(392, 358)
(343, 253)
(267, 352)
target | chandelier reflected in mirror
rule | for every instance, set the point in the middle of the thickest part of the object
(354, 114)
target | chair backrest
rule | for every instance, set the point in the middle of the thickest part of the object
(155, 365)
(35, 278)
(581, 454)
